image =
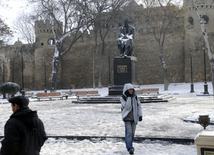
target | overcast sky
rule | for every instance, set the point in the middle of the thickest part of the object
(12, 8)
(10, 11)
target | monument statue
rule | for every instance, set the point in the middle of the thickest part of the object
(125, 41)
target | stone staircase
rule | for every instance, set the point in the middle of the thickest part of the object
(116, 100)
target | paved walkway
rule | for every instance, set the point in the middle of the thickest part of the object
(160, 121)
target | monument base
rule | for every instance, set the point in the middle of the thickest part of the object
(124, 72)
(205, 143)
(117, 90)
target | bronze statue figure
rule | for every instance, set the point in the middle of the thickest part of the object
(125, 41)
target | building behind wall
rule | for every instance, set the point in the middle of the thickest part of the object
(76, 67)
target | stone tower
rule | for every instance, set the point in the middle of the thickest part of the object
(43, 53)
(193, 41)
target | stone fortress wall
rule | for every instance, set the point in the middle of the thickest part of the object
(76, 66)
(193, 37)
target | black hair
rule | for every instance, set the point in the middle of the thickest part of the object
(20, 106)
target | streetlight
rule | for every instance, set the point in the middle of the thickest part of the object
(12, 68)
(191, 85)
(45, 76)
(205, 80)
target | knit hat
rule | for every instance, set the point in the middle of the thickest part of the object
(19, 100)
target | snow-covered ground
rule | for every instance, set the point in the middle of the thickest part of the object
(165, 119)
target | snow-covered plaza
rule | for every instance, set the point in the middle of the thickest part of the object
(160, 120)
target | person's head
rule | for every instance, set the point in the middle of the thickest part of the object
(131, 91)
(18, 102)
(128, 89)
(126, 21)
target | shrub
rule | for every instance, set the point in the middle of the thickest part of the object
(9, 88)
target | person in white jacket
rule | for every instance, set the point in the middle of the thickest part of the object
(131, 114)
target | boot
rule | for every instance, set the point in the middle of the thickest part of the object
(131, 152)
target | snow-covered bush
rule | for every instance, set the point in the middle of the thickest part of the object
(9, 88)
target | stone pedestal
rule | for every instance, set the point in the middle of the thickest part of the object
(125, 71)
(205, 143)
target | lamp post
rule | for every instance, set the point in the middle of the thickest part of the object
(45, 77)
(205, 80)
(191, 85)
(109, 69)
(12, 68)
(23, 90)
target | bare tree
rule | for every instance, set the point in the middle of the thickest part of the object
(160, 16)
(4, 3)
(95, 30)
(72, 18)
(5, 31)
(206, 40)
(99, 5)
(104, 23)
(24, 25)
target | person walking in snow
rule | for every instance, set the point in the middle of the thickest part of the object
(131, 114)
(24, 132)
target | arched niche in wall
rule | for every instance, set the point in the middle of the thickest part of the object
(206, 19)
(51, 42)
(190, 21)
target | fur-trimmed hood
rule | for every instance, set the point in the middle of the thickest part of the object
(127, 86)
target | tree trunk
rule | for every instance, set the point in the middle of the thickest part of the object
(101, 66)
(212, 72)
(209, 51)
(54, 74)
(94, 52)
(93, 70)
(4, 96)
(55, 68)
(166, 82)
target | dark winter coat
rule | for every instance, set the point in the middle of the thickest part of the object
(24, 134)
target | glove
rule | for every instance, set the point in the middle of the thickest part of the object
(140, 118)
(128, 95)
(124, 97)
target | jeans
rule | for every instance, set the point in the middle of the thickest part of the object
(130, 128)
